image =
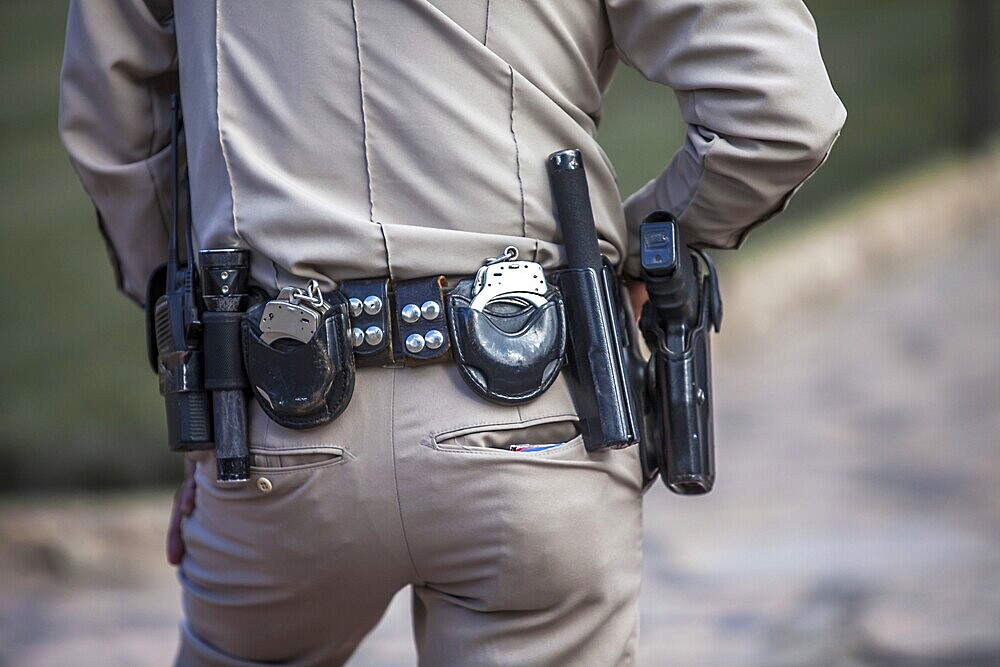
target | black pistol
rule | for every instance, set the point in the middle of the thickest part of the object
(684, 303)
(598, 344)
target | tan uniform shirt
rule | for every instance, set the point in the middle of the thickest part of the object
(355, 139)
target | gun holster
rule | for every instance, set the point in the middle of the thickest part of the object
(677, 391)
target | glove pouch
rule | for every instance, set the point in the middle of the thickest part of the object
(301, 385)
(509, 352)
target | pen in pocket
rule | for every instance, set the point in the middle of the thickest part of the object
(534, 448)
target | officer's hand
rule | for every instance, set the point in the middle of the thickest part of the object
(183, 506)
(638, 295)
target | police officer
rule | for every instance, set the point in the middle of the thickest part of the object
(405, 139)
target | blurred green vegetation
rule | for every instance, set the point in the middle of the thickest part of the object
(80, 406)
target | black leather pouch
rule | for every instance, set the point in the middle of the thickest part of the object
(510, 352)
(302, 385)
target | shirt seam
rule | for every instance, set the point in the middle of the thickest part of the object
(218, 123)
(517, 156)
(486, 29)
(364, 138)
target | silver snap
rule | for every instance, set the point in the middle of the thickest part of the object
(225, 289)
(414, 343)
(410, 313)
(357, 337)
(430, 310)
(434, 339)
(373, 305)
(373, 335)
(355, 305)
(264, 484)
(224, 275)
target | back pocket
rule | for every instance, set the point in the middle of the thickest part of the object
(519, 438)
(288, 459)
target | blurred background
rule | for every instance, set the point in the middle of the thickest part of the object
(856, 517)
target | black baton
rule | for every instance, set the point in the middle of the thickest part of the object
(603, 394)
(224, 275)
(576, 217)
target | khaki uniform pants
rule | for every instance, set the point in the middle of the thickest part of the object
(515, 558)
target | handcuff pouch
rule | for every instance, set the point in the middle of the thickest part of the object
(509, 352)
(301, 385)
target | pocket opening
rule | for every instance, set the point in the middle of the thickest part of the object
(555, 432)
(263, 460)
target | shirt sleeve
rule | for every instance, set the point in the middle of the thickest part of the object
(119, 70)
(761, 112)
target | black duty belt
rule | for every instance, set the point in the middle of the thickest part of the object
(504, 328)
(398, 323)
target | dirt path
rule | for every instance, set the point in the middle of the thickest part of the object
(856, 518)
(855, 521)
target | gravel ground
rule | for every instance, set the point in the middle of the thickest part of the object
(855, 520)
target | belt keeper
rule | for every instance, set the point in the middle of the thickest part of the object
(223, 351)
(370, 306)
(422, 321)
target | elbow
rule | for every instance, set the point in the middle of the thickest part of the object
(804, 104)
(812, 127)
(785, 161)
(793, 143)
(825, 129)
